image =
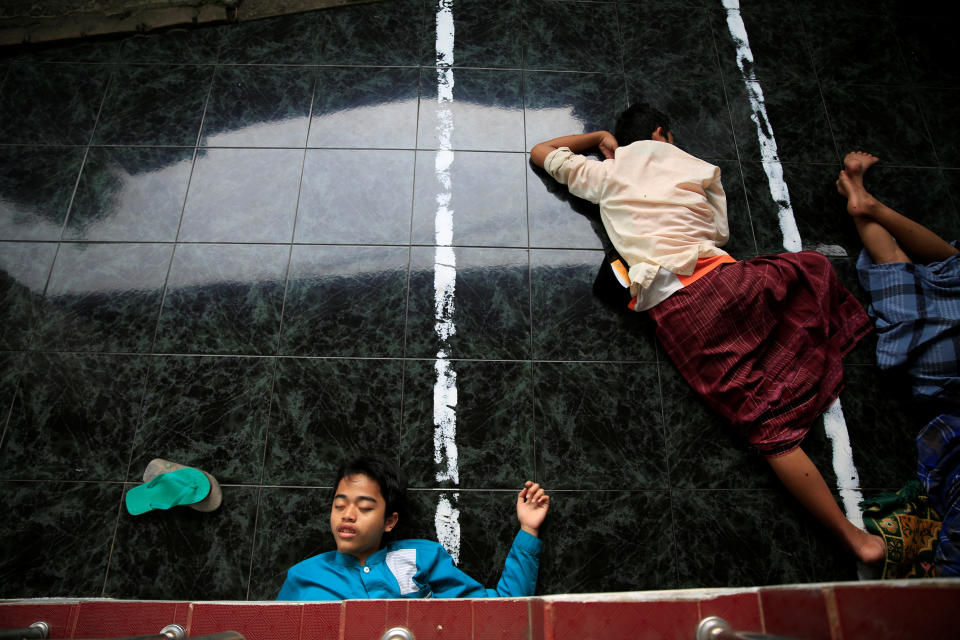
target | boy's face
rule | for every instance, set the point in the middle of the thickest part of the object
(358, 516)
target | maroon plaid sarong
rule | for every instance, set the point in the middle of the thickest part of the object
(761, 342)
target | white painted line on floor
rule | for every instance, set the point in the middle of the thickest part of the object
(768, 144)
(447, 516)
(848, 480)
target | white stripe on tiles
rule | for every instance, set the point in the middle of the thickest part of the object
(848, 480)
(446, 521)
(768, 145)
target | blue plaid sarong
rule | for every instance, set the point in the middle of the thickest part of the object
(938, 449)
(916, 309)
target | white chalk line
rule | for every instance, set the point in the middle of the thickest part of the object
(446, 521)
(848, 480)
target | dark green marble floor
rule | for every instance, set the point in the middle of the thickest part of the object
(217, 246)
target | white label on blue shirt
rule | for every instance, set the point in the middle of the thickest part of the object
(403, 564)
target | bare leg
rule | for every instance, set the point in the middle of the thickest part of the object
(869, 213)
(799, 475)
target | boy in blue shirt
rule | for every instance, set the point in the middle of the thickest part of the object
(369, 500)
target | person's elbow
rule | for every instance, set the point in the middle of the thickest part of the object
(539, 153)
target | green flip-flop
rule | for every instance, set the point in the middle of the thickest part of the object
(181, 487)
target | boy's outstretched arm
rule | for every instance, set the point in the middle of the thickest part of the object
(576, 143)
(532, 506)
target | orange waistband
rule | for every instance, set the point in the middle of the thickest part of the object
(705, 266)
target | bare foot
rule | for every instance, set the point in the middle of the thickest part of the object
(859, 201)
(870, 549)
(856, 164)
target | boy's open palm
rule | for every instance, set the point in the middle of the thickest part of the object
(532, 506)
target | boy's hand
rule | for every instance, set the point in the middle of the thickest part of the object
(532, 506)
(608, 144)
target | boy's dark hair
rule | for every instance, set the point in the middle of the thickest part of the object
(389, 477)
(637, 122)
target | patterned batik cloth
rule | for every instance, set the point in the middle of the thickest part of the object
(916, 309)
(910, 527)
(938, 449)
(761, 341)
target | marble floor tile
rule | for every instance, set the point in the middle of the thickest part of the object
(51, 103)
(184, 554)
(98, 51)
(11, 368)
(592, 417)
(57, 538)
(356, 196)
(928, 49)
(484, 191)
(73, 418)
(223, 299)
(558, 219)
(482, 38)
(326, 411)
(258, 106)
(25, 268)
(293, 524)
(154, 104)
(104, 297)
(570, 323)
(939, 107)
(952, 177)
(796, 115)
(177, 46)
(883, 425)
(130, 194)
(287, 39)
(559, 104)
(365, 107)
(387, 33)
(492, 425)
(777, 41)
(739, 538)
(664, 42)
(696, 106)
(491, 314)
(863, 55)
(242, 195)
(703, 451)
(596, 541)
(345, 301)
(205, 412)
(485, 114)
(555, 38)
(861, 118)
(36, 185)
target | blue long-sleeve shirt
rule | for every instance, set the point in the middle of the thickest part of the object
(409, 569)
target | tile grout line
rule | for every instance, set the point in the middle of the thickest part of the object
(183, 209)
(276, 359)
(531, 372)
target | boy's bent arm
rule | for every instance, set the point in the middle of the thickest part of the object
(576, 143)
(520, 571)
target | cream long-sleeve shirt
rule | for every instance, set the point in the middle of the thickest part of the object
(661, 206)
